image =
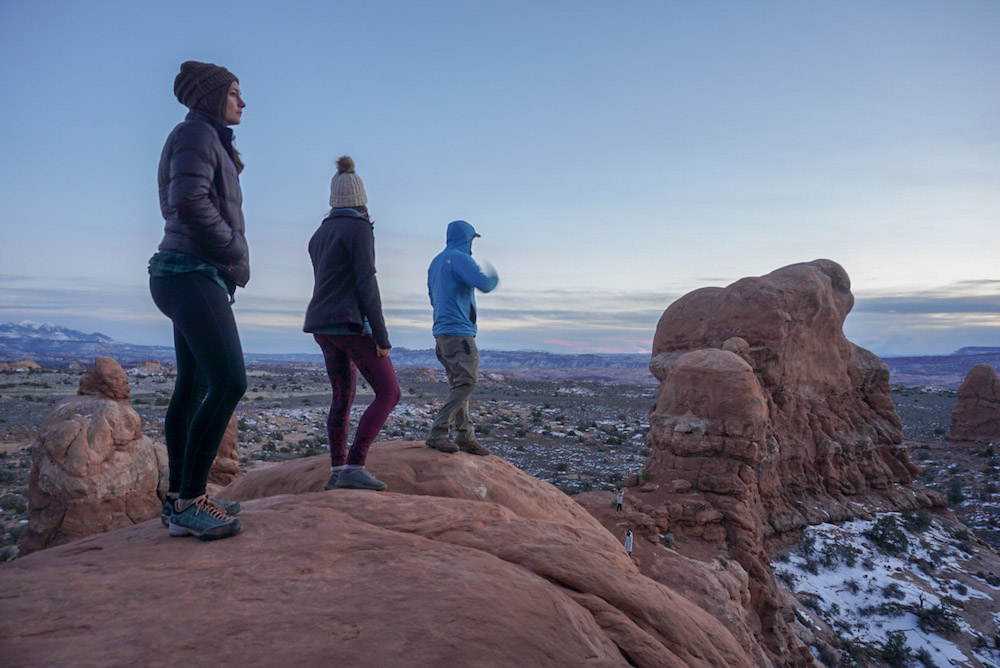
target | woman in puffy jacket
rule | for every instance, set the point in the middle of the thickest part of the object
(201, 261)
(345, 318)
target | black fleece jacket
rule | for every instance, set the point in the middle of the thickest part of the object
(345, 290)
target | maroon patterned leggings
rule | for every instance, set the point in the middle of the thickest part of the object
(345, 355)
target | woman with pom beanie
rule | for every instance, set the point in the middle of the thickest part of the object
(200, 262)
(345, 318)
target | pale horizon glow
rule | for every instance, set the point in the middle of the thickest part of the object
(614, 156)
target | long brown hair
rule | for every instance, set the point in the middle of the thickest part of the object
(215, 103)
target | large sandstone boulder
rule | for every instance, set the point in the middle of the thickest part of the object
(465, 561)
(976, 416)
(226, 466)
(92, 470)
(768, 419)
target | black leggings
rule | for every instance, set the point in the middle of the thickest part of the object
(211, 377)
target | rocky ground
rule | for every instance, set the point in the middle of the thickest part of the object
(578, 435)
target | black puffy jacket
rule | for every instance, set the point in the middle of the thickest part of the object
(200, 197)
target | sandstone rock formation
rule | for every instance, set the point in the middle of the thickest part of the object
(226, 466)
(977, 414)
(466, 561)
(151, 368)
(21, 365)
(769, 419)
(92, 470)
(108, 379)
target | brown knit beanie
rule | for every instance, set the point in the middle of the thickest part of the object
(197, 80)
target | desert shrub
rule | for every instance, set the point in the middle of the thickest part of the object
(936, 619)
(894, 650)
(561, 466)
(886, 609)
(924, 657)
(917, 523)
(807, 546)
(887, 536)
(833, 553)
(786, 578)
(14, 502)
(826, 655)
(161, 401)
(851, 585)
(893, 590)
(961, 589)
(955, 495)
(520, 432)
(646, 475)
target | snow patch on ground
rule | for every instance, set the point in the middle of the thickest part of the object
(862, 592)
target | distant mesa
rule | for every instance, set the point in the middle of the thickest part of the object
(768, 419)
(151, 368)
(21, 365)
(976, 416)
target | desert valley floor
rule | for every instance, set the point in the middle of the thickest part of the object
(578, 435)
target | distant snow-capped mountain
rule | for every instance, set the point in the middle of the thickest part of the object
(48, 332)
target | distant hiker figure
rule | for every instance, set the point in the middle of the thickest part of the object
(619, 499)
(452, 280)
(345, 318)
(193, 276)
(628, 542)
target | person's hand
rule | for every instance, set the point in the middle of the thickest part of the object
(383, 352)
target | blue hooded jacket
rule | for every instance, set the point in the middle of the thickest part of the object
(451, 282)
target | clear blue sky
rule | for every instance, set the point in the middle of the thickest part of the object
(614, 156)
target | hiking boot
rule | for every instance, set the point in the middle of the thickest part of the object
(232, 508)
(359, 479)
(472, 447)
(441, 445)
(205, 520)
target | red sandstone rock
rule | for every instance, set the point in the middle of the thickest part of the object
(400, 578)
(108, 379)
(226, 466)
(773, 418)
(977, 414)
(92, 470)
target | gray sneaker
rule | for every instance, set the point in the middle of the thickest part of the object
(359, 479)
(232, 508)
(331, 482)
(205, 520)
(441, 444)
(472, 447)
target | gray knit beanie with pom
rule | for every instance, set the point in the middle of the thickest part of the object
(346, 188)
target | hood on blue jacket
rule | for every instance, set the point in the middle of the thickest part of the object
(460, 236)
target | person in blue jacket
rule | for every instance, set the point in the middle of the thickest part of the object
(452, 280)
